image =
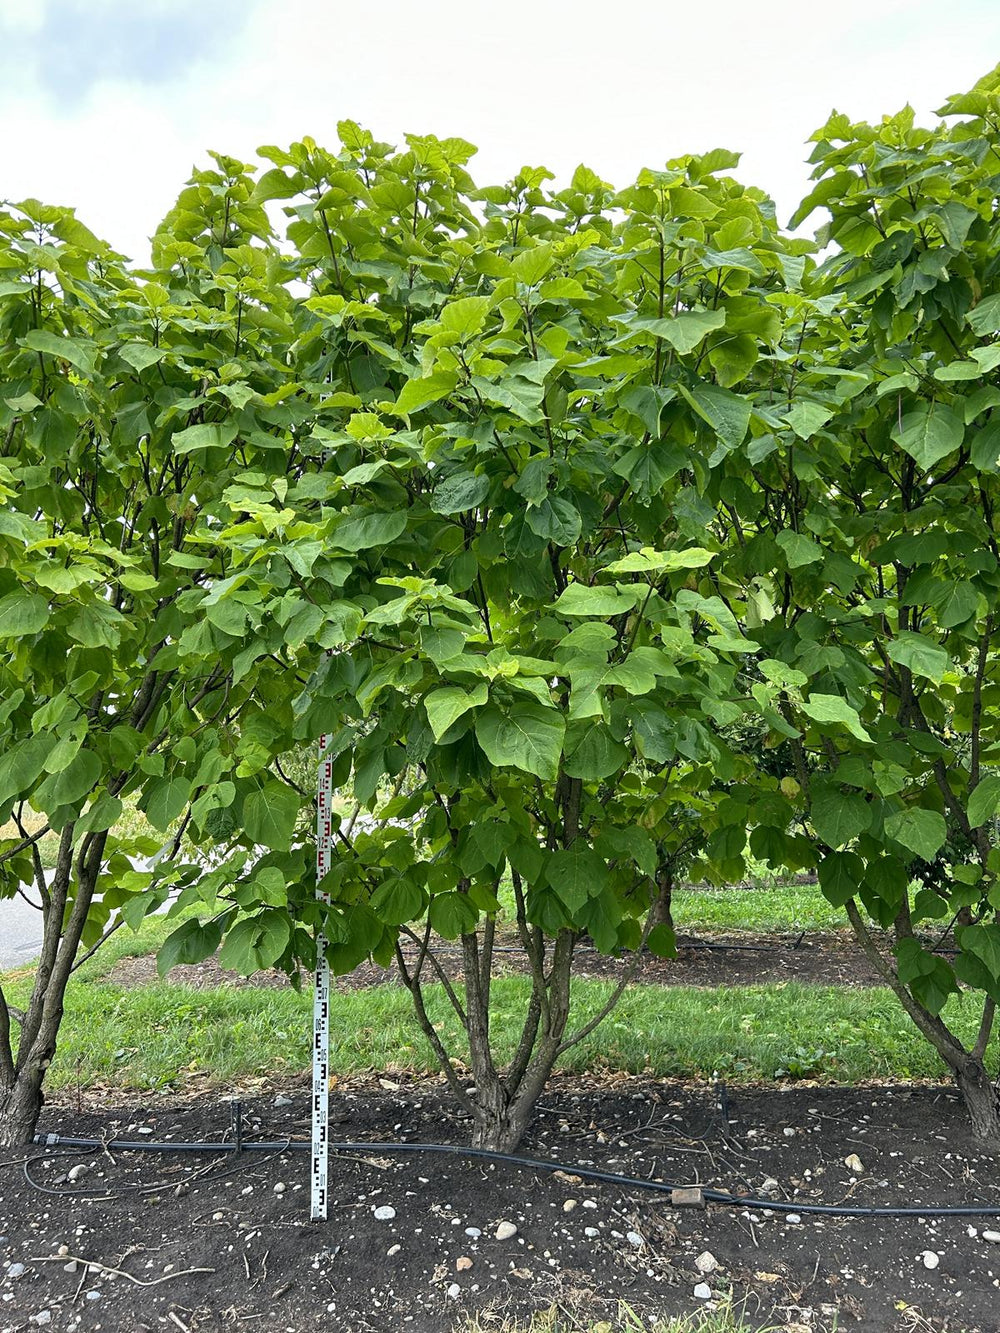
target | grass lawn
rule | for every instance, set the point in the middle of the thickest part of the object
(156, 1036)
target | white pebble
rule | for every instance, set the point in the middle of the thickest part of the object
(506, 1230)
(854, 1163)
(634, 1239)
(930, 1259)
(384, 1214)
(703, 1291)
(454, 1290)
(393, 1249)
(992, 1236)
(793, 1219)
(474, 1232)
(706, 1262)
(280, 1187)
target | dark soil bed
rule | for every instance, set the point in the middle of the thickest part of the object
(212, 1243)
(821, 958)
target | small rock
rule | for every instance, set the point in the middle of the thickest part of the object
(793, 1219)
(634, 1239)
(94, 1295)
(591, 1232)
(217, 1217)
(463, 1262)
(282, 1100)
(393, 1249)
(992, 1236)
(769, 1185)
(280, 1187)
(63, 1249)
(15, 1270)
(474, 1232)
(75, 1173)
(930, 1259)
(703, 1292)
(42, 1317)
(854, 1163)
(71, 1267)
(590, 1203)
(706, 1262)
(788, 1132)
(454, 1290)
(569, 1205)
(384, 1214)
(181, 1190)
(505, 1230)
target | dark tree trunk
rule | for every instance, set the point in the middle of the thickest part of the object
(662, 914)
(981, 1103)
(20, 1107)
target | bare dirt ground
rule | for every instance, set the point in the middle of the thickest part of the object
(191, 1244)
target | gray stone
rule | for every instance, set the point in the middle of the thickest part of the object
(706, 1262)
(793, 1219)
(384, 1213)
(474, 1232)
(15, 1270)
(703, 1291)
(634, 1239)
(42, 1317)
(506, 1230)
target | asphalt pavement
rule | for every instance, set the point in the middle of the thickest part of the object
(20, 932)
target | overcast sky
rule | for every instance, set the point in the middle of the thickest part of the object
(107, 104)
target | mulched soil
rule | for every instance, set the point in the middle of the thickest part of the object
(213, 1243)
(822, 958)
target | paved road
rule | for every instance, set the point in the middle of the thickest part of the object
(20, 932)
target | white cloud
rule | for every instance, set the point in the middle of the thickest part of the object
(538, 81)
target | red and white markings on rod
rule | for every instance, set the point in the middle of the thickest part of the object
(321, 998)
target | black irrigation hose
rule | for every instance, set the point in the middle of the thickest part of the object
(531, 1164)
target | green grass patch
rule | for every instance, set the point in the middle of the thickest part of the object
(155, 1036)
(777, 907)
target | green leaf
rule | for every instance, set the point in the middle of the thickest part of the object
(140, 356)
(683, 332)
(799, 550)
(22, 613)
(838, 818)
(576, 873)
(841, 874)
(921, 655)
(397, 901)
(597, 755)
(444, 707)
(662, 942)
(269, 815)
(648, 561)
(556, 520)
(984, 802)
(466, 316)
(452, 914)
(983, 942)
(985, 317)
(21, 765)
(73, 350)
(420, 393)
(580, 600)
(360, 532)
(255, 944)
(192, 942)
(955, 603)
(922, 832)
(726, 413)
(460, 492)
(528, 737)
(929, 434)
(165, 801)
(832, 708)
(204, 436)
(70, 784)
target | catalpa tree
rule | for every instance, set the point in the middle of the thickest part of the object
(129, 403)
(863, 544)
(505, 402)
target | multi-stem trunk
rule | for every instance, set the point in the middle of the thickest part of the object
(22, 1076)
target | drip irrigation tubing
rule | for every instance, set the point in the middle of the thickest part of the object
(721, 1197)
